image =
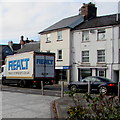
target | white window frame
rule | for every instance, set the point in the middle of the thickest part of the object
(101, 72)
(85, 56)
(119, 32)
(48, 38)
(60, 55)
(101, 34)
(59, 35)
(85, 35)
(101, 56)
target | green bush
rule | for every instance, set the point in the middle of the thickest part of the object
(98, 107)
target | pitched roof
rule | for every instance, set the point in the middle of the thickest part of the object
(1, 49)
(32, 46)
(70, 22)
(101, 21)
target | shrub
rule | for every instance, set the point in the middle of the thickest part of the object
(98, 107)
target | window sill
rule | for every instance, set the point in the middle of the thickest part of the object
(48, 42)
(101, 62)
(59, 40)
(59, 60)
(86, 41)
(101, 40)
(85, 63)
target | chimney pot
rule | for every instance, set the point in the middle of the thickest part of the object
(22, 37)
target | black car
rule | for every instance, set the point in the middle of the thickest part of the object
(99, 84)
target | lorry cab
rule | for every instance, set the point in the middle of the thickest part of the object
(3, 70)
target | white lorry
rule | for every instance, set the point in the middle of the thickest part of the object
(29, 68)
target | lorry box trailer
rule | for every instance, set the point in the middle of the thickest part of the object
(29, 68)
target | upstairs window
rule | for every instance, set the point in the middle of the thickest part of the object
(119, 56)
(85, 35)
(119, 32)
(59, 35)
(85, 56)
(101, 56)
(101, 34)
(48, 38)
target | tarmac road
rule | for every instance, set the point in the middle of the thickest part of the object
(49, 90)
(21, 105)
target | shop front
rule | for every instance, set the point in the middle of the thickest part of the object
(91, 71)
(62, 74)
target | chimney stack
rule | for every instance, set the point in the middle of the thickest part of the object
(88, 11)
(10, 44)
(22, 42)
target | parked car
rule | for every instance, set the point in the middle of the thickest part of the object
(99, 84)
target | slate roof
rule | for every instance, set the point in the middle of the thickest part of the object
(32, 46)
(101, 21)
(1, 48)
(70, 22)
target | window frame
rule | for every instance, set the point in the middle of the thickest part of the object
(100, 33)
(85, 58)
(101, 57)
(59, 36)
(85, 34)
(101, 70)
(48, 36)
(59, 55)
(119, 33)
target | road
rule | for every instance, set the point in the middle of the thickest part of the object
(20, 102)
(49, 90)
(21, 105)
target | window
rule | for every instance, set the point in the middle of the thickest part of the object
(84, 73)
(119, 56)
(85, 56)
(101, 56)
(101, 34)
(63, 75)
(48, 38)
(119, 32)
(85, 35)
(101, 73)
(59, 54)
(59, 35)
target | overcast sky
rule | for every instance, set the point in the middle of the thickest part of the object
(27, 18)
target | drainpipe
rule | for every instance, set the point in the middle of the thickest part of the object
(112, 53)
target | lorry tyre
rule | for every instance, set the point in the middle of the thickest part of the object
(22, 83)
(3, 82)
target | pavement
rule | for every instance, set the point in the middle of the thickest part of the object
(59, 107)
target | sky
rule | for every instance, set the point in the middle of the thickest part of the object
(29, 17)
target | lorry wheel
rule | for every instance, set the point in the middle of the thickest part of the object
(22, 83)
(3, 82)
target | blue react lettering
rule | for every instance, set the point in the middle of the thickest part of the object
(44, 61)
(21, 64)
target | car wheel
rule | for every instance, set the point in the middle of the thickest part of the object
(103, 90)
(73, 87)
